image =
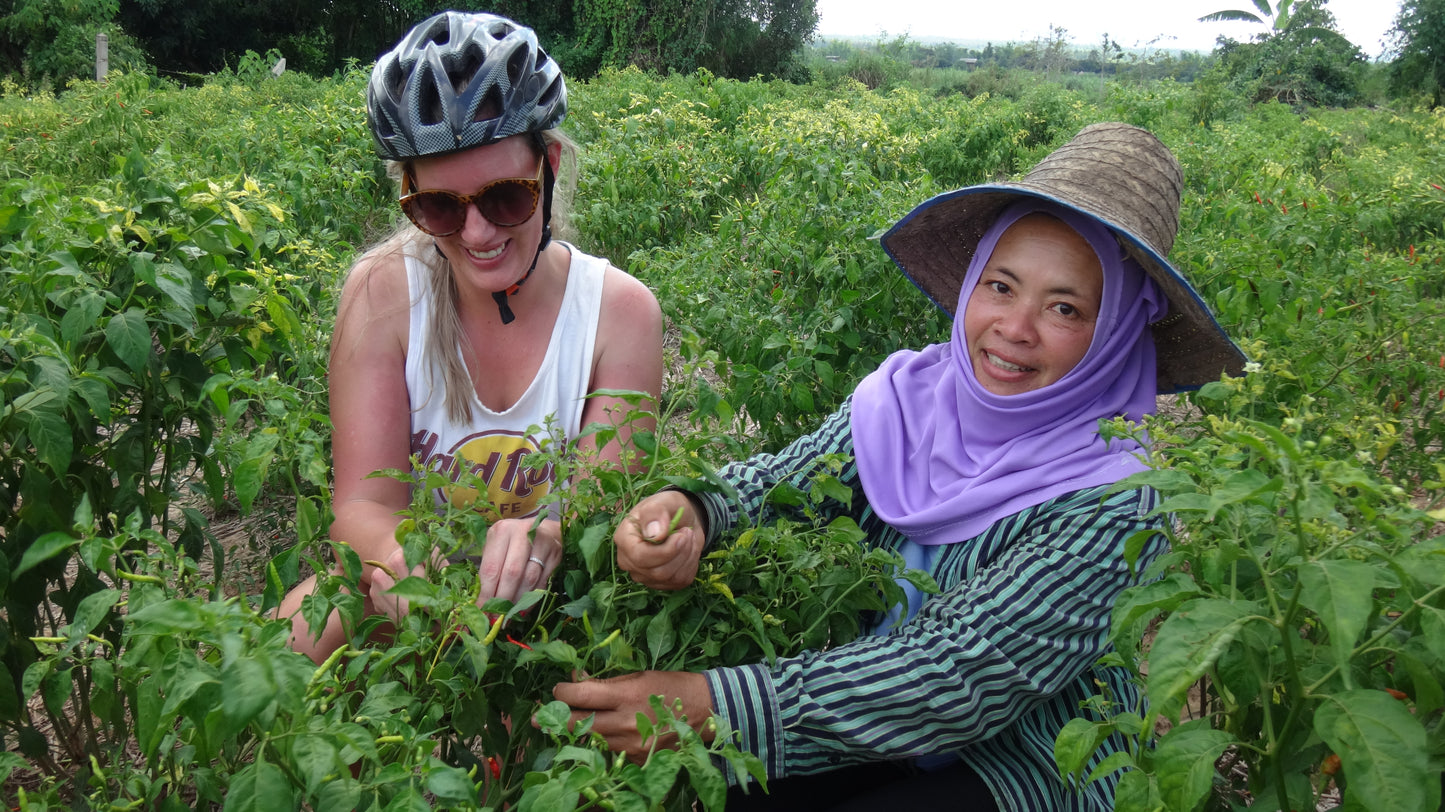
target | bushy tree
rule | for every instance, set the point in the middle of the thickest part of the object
(1419, 35)
(732, 38)
(53, 41)
(1302, 60)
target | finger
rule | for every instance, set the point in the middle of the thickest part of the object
(534, 573)
(376, 591)
(504, 557)
(643, 555)
(597, 694)
(545, 554)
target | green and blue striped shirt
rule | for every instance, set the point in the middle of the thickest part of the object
(990, 669)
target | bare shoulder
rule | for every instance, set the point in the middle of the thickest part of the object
(375, 299)
(629, 336)
(627, 301)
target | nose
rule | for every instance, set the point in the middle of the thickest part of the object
(1016, 324)
(476, 228)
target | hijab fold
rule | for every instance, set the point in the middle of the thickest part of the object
(941, 458)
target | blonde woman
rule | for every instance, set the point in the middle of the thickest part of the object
(458, 336)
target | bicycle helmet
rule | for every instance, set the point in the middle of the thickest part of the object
(459, 80)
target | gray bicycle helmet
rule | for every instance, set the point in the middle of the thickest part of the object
(459, 80)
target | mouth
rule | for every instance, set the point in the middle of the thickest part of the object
(1006, 366)
(483, 256)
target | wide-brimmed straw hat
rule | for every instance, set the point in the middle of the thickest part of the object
(1122, 176)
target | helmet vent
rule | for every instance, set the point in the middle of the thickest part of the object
(491, 105)
(499, 29)
(517, 66)
(461, 74)
(549, 96)
(440, 33)
(432, 110)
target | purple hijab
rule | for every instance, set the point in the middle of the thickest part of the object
(941, 458)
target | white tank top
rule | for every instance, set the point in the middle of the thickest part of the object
(494, 444)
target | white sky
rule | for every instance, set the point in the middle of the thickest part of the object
(1131, 23)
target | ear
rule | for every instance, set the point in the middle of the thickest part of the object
(554, 156)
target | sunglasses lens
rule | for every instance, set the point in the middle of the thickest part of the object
(508, 202)
(437, 213)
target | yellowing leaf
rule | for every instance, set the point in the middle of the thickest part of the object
(239, 216)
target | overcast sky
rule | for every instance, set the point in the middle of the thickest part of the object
(1131, 23)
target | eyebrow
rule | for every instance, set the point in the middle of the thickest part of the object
(1056, 291)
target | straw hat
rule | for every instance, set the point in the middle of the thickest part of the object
(1120, 175)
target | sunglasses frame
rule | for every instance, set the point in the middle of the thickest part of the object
(533, 185)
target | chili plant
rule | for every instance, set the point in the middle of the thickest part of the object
(1302, 603)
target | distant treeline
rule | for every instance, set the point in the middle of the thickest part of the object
(49, 42)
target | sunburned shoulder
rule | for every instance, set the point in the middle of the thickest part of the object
(374, 296)
(376, 282)
(625, 300)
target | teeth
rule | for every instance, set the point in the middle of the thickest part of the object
(493, 254)
(1002, 364)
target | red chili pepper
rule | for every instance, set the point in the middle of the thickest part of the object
(1330, 765)
(1438, 187)
(517, 642)
(1257, 200)
(1412, 255)
(1284, 208)
(1400, 695)
(496, 767)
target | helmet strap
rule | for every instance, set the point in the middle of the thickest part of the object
(548, 180)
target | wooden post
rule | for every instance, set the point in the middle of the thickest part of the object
(102, 57)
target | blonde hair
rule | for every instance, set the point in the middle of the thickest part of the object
(444, 330)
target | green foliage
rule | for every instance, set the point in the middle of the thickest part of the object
(1303, 61)
(1420, 44)
(733, 38)
(51, 42)
(172, 257)
(1305, 596)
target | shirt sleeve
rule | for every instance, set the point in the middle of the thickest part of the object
(795, 465)
(1018, 629)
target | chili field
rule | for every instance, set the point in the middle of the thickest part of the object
(169, 261)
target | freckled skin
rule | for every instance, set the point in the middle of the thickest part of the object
(1031, 317)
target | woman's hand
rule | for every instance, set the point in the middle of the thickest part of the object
(617, 701)
(517, 559)
(658, 546)
(384, 578)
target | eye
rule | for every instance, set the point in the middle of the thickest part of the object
(995, 285)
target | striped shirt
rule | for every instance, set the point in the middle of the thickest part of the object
(990, 669)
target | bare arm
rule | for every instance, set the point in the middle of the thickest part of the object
(370, 408)
(628, 356)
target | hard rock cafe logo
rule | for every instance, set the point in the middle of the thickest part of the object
(498, 460)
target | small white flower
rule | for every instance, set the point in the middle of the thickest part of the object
(1252, 366)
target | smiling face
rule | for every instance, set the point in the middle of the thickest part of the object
(1030, 318)
(483, 255)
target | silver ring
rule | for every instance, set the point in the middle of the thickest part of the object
(535, 560)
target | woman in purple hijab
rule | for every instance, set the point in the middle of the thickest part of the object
(981, 462)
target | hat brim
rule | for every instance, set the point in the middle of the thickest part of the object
(934, 243)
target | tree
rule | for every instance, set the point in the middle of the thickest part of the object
(1419, 41)
(1276, 18)
(733, 38)
(1302, 60)
(53, 41)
